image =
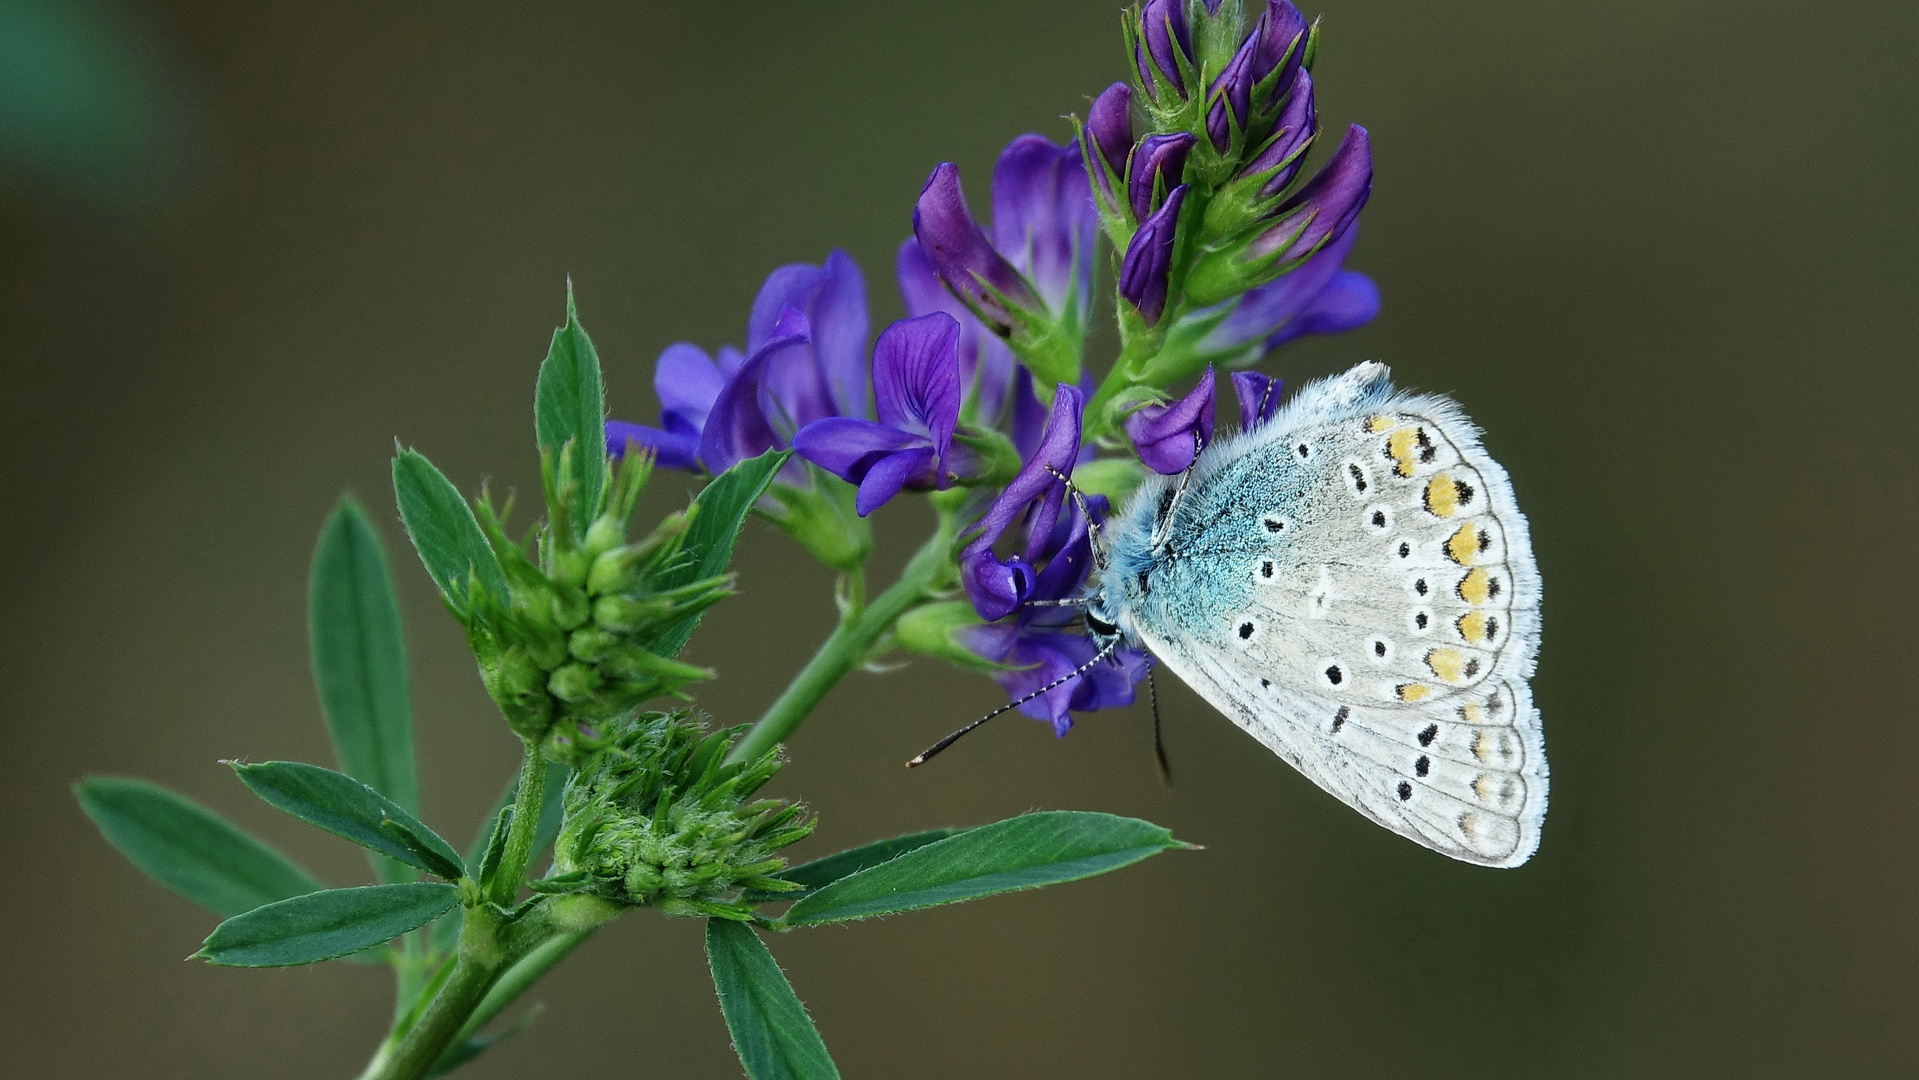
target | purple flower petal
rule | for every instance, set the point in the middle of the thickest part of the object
(1269, 308)
(1110, 125)
(961, 255)
(790, 286)
(675, 450)
(986, 365)
(1044, 220)
(892, 473)
(1231, 97)
(847, 448)
(738, 427)
(840, 325)
(1258, 398)
(1350, 300)
(1293, 132)
(792, 389)
(916, 377)
(1166, 39)
(1326, 206)
(686, 381)
(1160, 159)
(1142, 274)
(826, 304)
(1169, 437)
(997, 588)
(1282, 37)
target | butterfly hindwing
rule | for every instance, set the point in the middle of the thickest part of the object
(1353, 584)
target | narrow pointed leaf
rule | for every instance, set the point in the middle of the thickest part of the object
(569, 405)
(345, 807)
(708, 549)
(1025, 852)
(775, 1038)
(323, 925)
(188, 848)
(820, 873)
(444, 531)
(359, 663)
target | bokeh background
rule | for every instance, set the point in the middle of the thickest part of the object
(1663, 251)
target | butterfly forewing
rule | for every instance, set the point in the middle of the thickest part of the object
(1353, 584)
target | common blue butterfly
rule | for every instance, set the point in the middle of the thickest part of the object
(1352, 583)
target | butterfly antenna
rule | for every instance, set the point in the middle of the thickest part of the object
(1179, 493)
(1159, 746)
(1093, 525)
(1010, 706)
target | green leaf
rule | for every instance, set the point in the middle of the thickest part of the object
(708, 547)
(323, 925)
(345, 807)
(445, 532)
(820, 873)
(569, 405)
(775, 1038)
(1025, 852)
(359, 662)
(188, 848)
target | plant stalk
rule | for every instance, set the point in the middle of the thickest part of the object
(849, 645)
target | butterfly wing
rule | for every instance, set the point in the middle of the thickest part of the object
(1353, 584)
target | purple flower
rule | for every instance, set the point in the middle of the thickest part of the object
(1164, 42)
(1149, 258)
(1232, 93)
(998, 587)
(1109, 135)
(1318, 297)
(1045, 226)
(805, 360)
(916, 380)
(1169, 436)
(1044, 645)
(1158, 165)
(1324, 208)
(986, 365)
(1258, 398)
(1282, 34)
(686, 380)
(961, 255)
(1293, 133)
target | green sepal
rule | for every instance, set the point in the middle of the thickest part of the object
(823, 518)
(774, 1037)
(325, 925)
(188, 848)
(347, 808)
(932, 629)
(569, 407)
(446, 534)
(1025, 852)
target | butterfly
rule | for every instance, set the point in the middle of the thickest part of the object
(1352, 583)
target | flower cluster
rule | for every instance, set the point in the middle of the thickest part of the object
(1191, 173)
(658, 816)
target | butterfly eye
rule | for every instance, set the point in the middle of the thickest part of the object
(1100, 627)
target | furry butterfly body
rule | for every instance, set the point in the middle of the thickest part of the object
(1352, 583)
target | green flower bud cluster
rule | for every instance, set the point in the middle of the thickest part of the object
(574, 643)
(657, 816)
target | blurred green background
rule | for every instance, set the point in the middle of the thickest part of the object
(1662, 251)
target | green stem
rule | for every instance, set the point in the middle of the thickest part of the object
(849, 645)
(488, 945)
(517, 980)
(525, 826)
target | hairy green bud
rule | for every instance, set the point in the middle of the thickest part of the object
(656, 816)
